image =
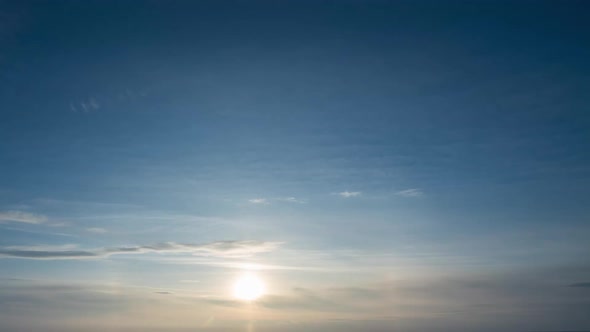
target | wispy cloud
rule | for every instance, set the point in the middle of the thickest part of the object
(58, 224)
(38, 232)
(413, 192)
(581, 285)
(85, 106)
(348, 194)
(46, 254)
(258, 201)
(226, 249)
(96, 230)
(267, 201)
(86, 204)
(291, 200)
(23, 217)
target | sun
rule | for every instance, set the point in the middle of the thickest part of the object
(248, 287)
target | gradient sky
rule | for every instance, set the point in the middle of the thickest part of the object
(382, 166)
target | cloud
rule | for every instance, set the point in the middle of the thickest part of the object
(38, 232)
(290, 200)
(581, 285)
(85, 106)
(216, 249)
(348, 194)
(58, 224)
(226, 249)
(413, 192)
(266, 201)
(238, 248)
(38, 254)
(24, 217)
(45, 252)
(258, 201)
(96, 230)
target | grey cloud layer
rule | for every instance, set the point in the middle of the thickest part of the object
(216, 249)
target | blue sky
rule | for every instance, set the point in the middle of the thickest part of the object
(381, 165)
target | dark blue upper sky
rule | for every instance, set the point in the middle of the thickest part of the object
(454, 128)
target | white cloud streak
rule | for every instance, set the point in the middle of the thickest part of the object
(22, 217)
(348, 194)
(413, 192)
(258, 201)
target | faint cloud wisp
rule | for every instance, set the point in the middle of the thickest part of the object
(96, 230)
(23, 217)
(413, 192)
(291, 200)
(85, 106)
(348, 194)
(263, 201)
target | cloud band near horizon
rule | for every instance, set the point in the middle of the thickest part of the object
(228, 249)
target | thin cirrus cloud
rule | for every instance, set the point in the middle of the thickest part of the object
(85, 106)
(413, 192)
(291, 200)
(258, 201)
(22, 217)
(266, 201)
(349, 194)
(222, 249)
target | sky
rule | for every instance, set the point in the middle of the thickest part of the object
(378, 165)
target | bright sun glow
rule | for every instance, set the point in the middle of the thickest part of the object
(248, 287)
